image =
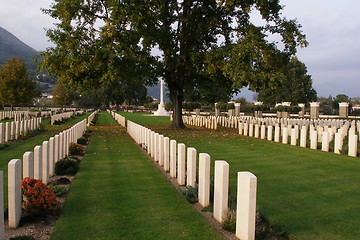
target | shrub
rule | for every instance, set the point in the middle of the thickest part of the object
(66, 166)
(82, 141)
(63, 180)
(190, 193)
(151, 105)
(76, 149)
(39, 199)
(230, 221)
(58, 190)
(25, 237)
(225, 106)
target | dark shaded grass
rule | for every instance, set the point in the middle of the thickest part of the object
(119, 194)
(308, 193)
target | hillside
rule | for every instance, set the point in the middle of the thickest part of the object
(11, 46)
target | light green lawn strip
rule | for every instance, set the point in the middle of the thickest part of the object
(17, 149)
(308, 193)
(119, 194)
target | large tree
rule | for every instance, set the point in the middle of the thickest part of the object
(296, 87)
(190, 44)
(16, 87)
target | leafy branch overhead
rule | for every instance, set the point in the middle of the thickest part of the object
(193, 45)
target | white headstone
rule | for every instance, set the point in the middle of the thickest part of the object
(246, 206)
(181, 164)
(166, 153)
(14, 192)
(28, 165)
(173, 158)
(2, 222)
(204, 179)
(221, 188)
(38, 162)
(191, 167)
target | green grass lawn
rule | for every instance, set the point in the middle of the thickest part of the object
(119, 194)
(16, 149)
(310, 194)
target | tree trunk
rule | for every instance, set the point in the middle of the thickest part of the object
(177, 98)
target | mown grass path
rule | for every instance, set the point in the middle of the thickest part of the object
(310, 194)
(119, 194)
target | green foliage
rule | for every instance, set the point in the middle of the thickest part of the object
(16, 88)
(295, 87)
(115, 57)
(25, 237)
(82, 141)
(225, 106)
(290, 109)
(229, 223)
(66, 166)
(326, 105)
(190, 193)
(151, 105)
(168, 106)
(191, 105)
(59, 190)
(260, 108)
(63, 180)
(62, 96)
(76, 149)
(341, 98)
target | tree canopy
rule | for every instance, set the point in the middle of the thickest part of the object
(296, 87)
(193, 45)
(16, 88)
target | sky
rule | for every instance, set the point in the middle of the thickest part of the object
(332, 28)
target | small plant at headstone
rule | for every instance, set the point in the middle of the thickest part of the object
(58, 190)
(63, 180)
(76, 149)
(66, 166)
(230, 222)
(39, 199)
(82, 141)
(25, 237)
(190, 193)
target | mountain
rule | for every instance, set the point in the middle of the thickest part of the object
(11, 46)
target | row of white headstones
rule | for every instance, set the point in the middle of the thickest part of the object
(182, 165)
(39, 164)
(23, 115)
(323, 131)
(63, 116)
(13, 130)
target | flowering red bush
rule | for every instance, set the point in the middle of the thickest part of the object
(39, 199)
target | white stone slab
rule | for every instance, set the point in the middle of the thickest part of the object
(2, 220)
(204, 179)
(191, 167)
(246, 206)
(38, 162)
(14, 192)
(28, 165)
(221, 188)
(173, 158)
(181, 164)
(166, 153)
